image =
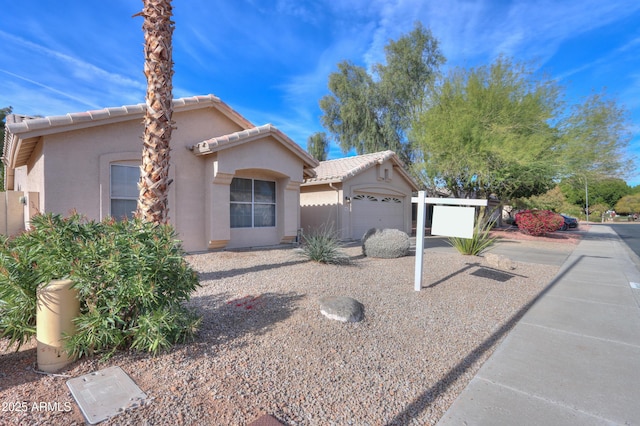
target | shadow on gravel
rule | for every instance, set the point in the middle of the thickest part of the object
(18, 368)
(227, 320)
(481, 271)
(494, 274)
(216, 275)
(453, 274)
(424, 400)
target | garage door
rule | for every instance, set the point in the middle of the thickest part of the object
(375, 211)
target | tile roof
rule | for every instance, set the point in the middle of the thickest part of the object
(219, 142)
(22, 132)
(47, 125)
(237, 138)
(333, 171)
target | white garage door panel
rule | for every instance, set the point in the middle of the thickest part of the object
(374, 211)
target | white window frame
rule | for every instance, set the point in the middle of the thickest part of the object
(253, 204)
(118, 197)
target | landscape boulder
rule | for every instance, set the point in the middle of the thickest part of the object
(499, 262)
(341, 308)
(385, 243)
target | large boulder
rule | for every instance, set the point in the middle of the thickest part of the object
(499, 262)
(385, 243)
(342, 308)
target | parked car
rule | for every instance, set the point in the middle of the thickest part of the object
(569, 222)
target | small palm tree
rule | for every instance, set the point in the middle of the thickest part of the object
(158, 68)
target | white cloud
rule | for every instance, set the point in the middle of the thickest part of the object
(79, 68)
(68, 96)
(75, 79)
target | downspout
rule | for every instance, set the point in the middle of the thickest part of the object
(337, 208)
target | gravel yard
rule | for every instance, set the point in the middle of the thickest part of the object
(264, 347)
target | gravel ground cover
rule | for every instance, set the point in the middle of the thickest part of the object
(264, 347)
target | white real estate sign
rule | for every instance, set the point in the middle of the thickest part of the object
(451, 223)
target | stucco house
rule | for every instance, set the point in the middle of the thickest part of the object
(234, 184)
(354, 194)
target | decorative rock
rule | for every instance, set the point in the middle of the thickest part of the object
(499, 262)
(342, 308)
(385, 243)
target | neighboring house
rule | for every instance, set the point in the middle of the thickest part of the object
(355, 194)
(234, 184)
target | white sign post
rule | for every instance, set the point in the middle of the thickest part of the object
(450, 219)
(419, 238)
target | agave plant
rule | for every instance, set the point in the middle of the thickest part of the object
(323, 245)
(475, 245)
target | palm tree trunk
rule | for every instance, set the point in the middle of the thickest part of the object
(158, 68)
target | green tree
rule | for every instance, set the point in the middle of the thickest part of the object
(487, 132)
(318, 146)
(597, 211)
(595, 137)
(605, 191)
(373, 112)
(3, 113)
(553, 200)
(629, 204)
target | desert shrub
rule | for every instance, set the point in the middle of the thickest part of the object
(323, 245)
(538, 222)
(43, 254)
(18, 285)
(480, 241)
(131, 277)
(385, 243)
(597, 212)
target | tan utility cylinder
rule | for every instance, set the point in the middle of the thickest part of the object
(57, 306)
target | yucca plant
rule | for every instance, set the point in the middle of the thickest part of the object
(323, 245)
(480, 241)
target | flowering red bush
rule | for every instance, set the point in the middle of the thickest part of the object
(538, 222)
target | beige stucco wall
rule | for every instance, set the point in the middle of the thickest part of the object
(72, 171)
(12, 219)
(320, 207)
(30, 177)
(266, 160)
(319, 203)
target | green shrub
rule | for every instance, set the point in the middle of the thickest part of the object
(538, 222)
(18, 285)
(480, 241)
(323, 245)
(131, 277)
(38, 256)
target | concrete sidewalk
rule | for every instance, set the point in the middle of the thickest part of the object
(574, 357)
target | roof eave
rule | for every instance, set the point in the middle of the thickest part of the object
(315, 182)
(35, 127)
(204, 148)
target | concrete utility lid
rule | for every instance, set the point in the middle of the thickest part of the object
(105, 393)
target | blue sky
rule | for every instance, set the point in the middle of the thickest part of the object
(270, 59)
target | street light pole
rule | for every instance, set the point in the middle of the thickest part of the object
(586, 196)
